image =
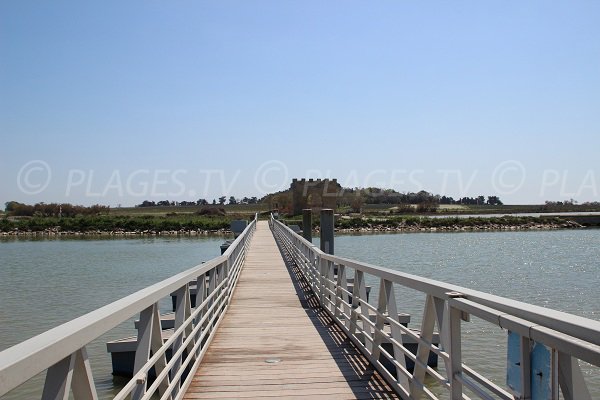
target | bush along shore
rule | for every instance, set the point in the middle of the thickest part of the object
(115, 225)
(451, 224)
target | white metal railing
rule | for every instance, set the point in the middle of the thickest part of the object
(62, 351)
(533, 332)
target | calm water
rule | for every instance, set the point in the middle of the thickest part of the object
(48, 282)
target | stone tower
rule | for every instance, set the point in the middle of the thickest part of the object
(314, 193)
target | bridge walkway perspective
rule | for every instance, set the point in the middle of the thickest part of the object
(275, 340)
(276, 317)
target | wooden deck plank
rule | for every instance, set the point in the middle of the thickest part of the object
(271, 317)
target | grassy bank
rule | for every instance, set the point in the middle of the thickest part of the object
(239, 210)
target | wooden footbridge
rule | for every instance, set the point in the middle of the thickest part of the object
(275, 317)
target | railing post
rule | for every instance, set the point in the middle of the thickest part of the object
(149, 339)
(359, 297)
(181, 314)
(379, 320)
(307, 224)
(330, 286)
(455, 350)
(389, 301)
(322, 269)
(571, 379)
(211, 302)
(71, 373)
(200, 297)
(341, 300)
(422, 354)
(354, 311)
(83, 382)
(327, 231)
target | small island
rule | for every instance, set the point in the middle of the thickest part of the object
(367, 210)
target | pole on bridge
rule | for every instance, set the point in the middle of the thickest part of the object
(307, 224)
(327, 231)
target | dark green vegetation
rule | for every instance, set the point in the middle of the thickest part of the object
(240, 210)
(54, 217)
(14, 208)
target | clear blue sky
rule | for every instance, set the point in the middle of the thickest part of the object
(115, 102)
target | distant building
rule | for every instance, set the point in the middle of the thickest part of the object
(314, 193)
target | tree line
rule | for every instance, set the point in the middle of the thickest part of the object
(200, 202)
(374, 195)
(14, 208)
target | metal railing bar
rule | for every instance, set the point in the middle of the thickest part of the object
(393, 360)
(436, 375)
(424, 389)
(473, 387)
(489, 385)
(441, 379)
(412, 333)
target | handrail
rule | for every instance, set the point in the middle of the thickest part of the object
(566, 337)
(61, 350)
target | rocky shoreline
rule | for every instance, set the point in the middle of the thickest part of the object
(116, 232)
(381, 228)
(371, 228)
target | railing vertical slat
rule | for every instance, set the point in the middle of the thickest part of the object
(455, 352)
(212, 283)
(183, 298)
(355, 302)
(442, 315)
(200, 297)
(427, 326)
(58, 379)
(396, 334)
(379, 320)
(570, 378)
(322, 284)
(149, 339)
(525, 367)
(83, 382)
(364, 311)
(341, 302)
(330, 286)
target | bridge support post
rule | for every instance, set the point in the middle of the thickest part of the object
(307, 224)
(327, 231)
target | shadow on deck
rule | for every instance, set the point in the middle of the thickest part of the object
(362, 377)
